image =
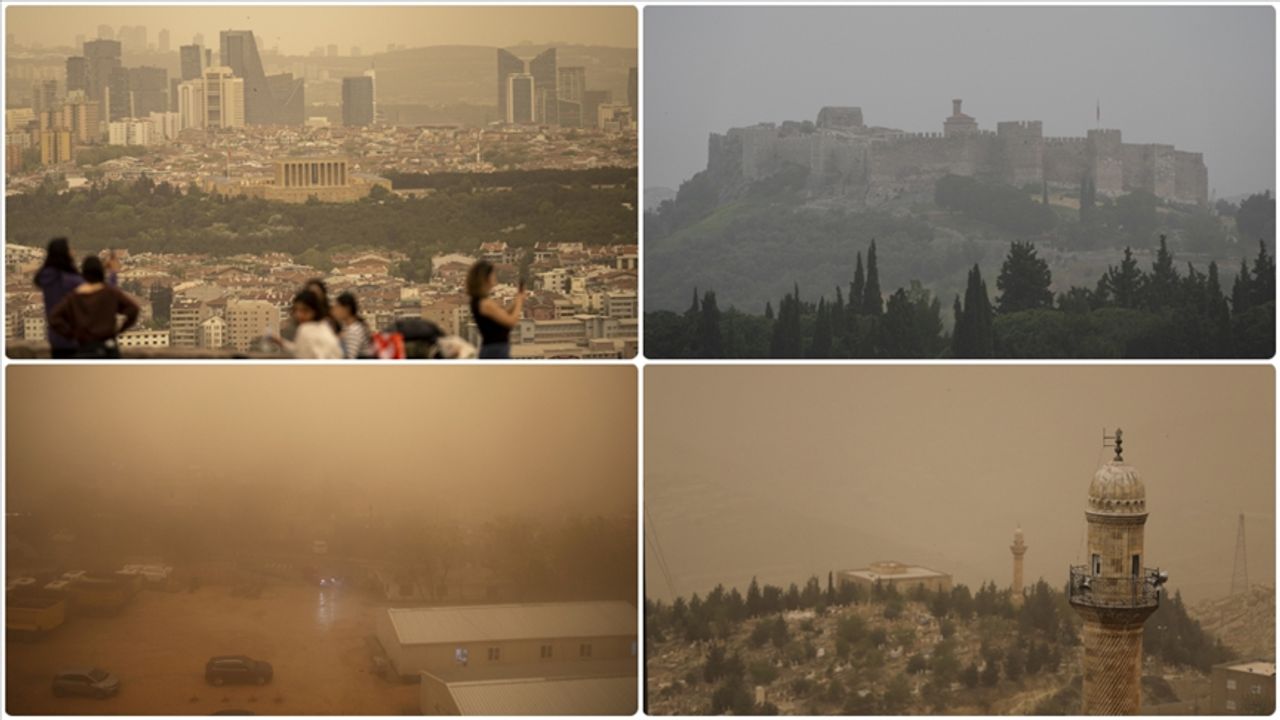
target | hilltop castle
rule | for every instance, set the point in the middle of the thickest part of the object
(870, 165)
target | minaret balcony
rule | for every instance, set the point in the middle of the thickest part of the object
(1089, 590)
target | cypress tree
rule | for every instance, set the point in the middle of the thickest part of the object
(857, 289)
(872, 303)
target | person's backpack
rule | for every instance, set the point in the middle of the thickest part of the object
(388, 345)
(420, 337)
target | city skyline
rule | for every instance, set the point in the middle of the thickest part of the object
(371, 28)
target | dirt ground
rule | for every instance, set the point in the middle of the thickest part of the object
(316, 639)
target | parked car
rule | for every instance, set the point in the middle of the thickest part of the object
(86, 681)
(237, 669)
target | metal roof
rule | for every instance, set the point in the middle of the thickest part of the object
(481, 623)
(547, 697)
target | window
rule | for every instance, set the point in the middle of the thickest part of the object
(584, 650)
(1255, 690)
(460, 656)
(495, 654)
(1231, 704)
(1231, 684)
(1135, 568)
(1097, 564)
(545, 652)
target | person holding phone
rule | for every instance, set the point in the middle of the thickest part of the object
(493, 320)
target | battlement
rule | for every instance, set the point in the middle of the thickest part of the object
(1065, 140)
(1033, 128)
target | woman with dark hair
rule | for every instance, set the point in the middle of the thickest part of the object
(87, 314)
(56, 278)
(321, 291)
(313, 338)
(354, 333)
(493, 320)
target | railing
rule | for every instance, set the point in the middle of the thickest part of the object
(30, 350)
(1085, 588)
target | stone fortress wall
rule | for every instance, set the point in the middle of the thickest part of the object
(873, 164)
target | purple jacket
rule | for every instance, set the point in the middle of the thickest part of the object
(56, 285)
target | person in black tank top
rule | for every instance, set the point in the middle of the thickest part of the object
(492, 319)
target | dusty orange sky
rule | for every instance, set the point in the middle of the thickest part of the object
(783, 472)
(300, 28)
(465, 441)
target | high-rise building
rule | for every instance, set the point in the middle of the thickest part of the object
(1115, 593)
(44, 95)
(55, 146)
(591, 102)
(185, 316)
(520, 99)
(148, 87)
(275, 100)
(106, 33)
(129, 132)
(633, 91)
(572, 83)
(117, 94)
(508, 65)
(1018, 548)
(545, 77)
(357, 101)
(571, 86)
(85, 120)
(164, 125)
(77, 74)
(331, 50)
(102, 59)
(133, 39)
(162, 43)
(214, 101)
(198, 39)
(191, 59)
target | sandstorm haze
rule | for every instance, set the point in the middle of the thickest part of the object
(1199, 78)
(297, 30)
(783, 472)
(453, 444)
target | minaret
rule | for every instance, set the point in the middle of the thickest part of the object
(1018, 548)
(1115, 593)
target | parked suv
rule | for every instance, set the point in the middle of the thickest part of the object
(87, 681)
(237, 669)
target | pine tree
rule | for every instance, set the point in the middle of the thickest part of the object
(1123, 285)
(768, 310)
(1024, 280)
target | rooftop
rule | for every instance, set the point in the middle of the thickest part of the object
(891, 570)
(481, 623)
(546, 696)
(1257, 667)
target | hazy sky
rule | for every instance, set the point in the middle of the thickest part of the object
(1202, 79)
(299, 29)
(783, 472)
(550, 441)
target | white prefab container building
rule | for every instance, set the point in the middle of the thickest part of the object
(467, 642)
(545, 696)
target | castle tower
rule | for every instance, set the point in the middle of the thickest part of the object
(958, 123)
(1114, 594)
(1018, 548)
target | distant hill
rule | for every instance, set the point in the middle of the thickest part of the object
(1245, 622)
